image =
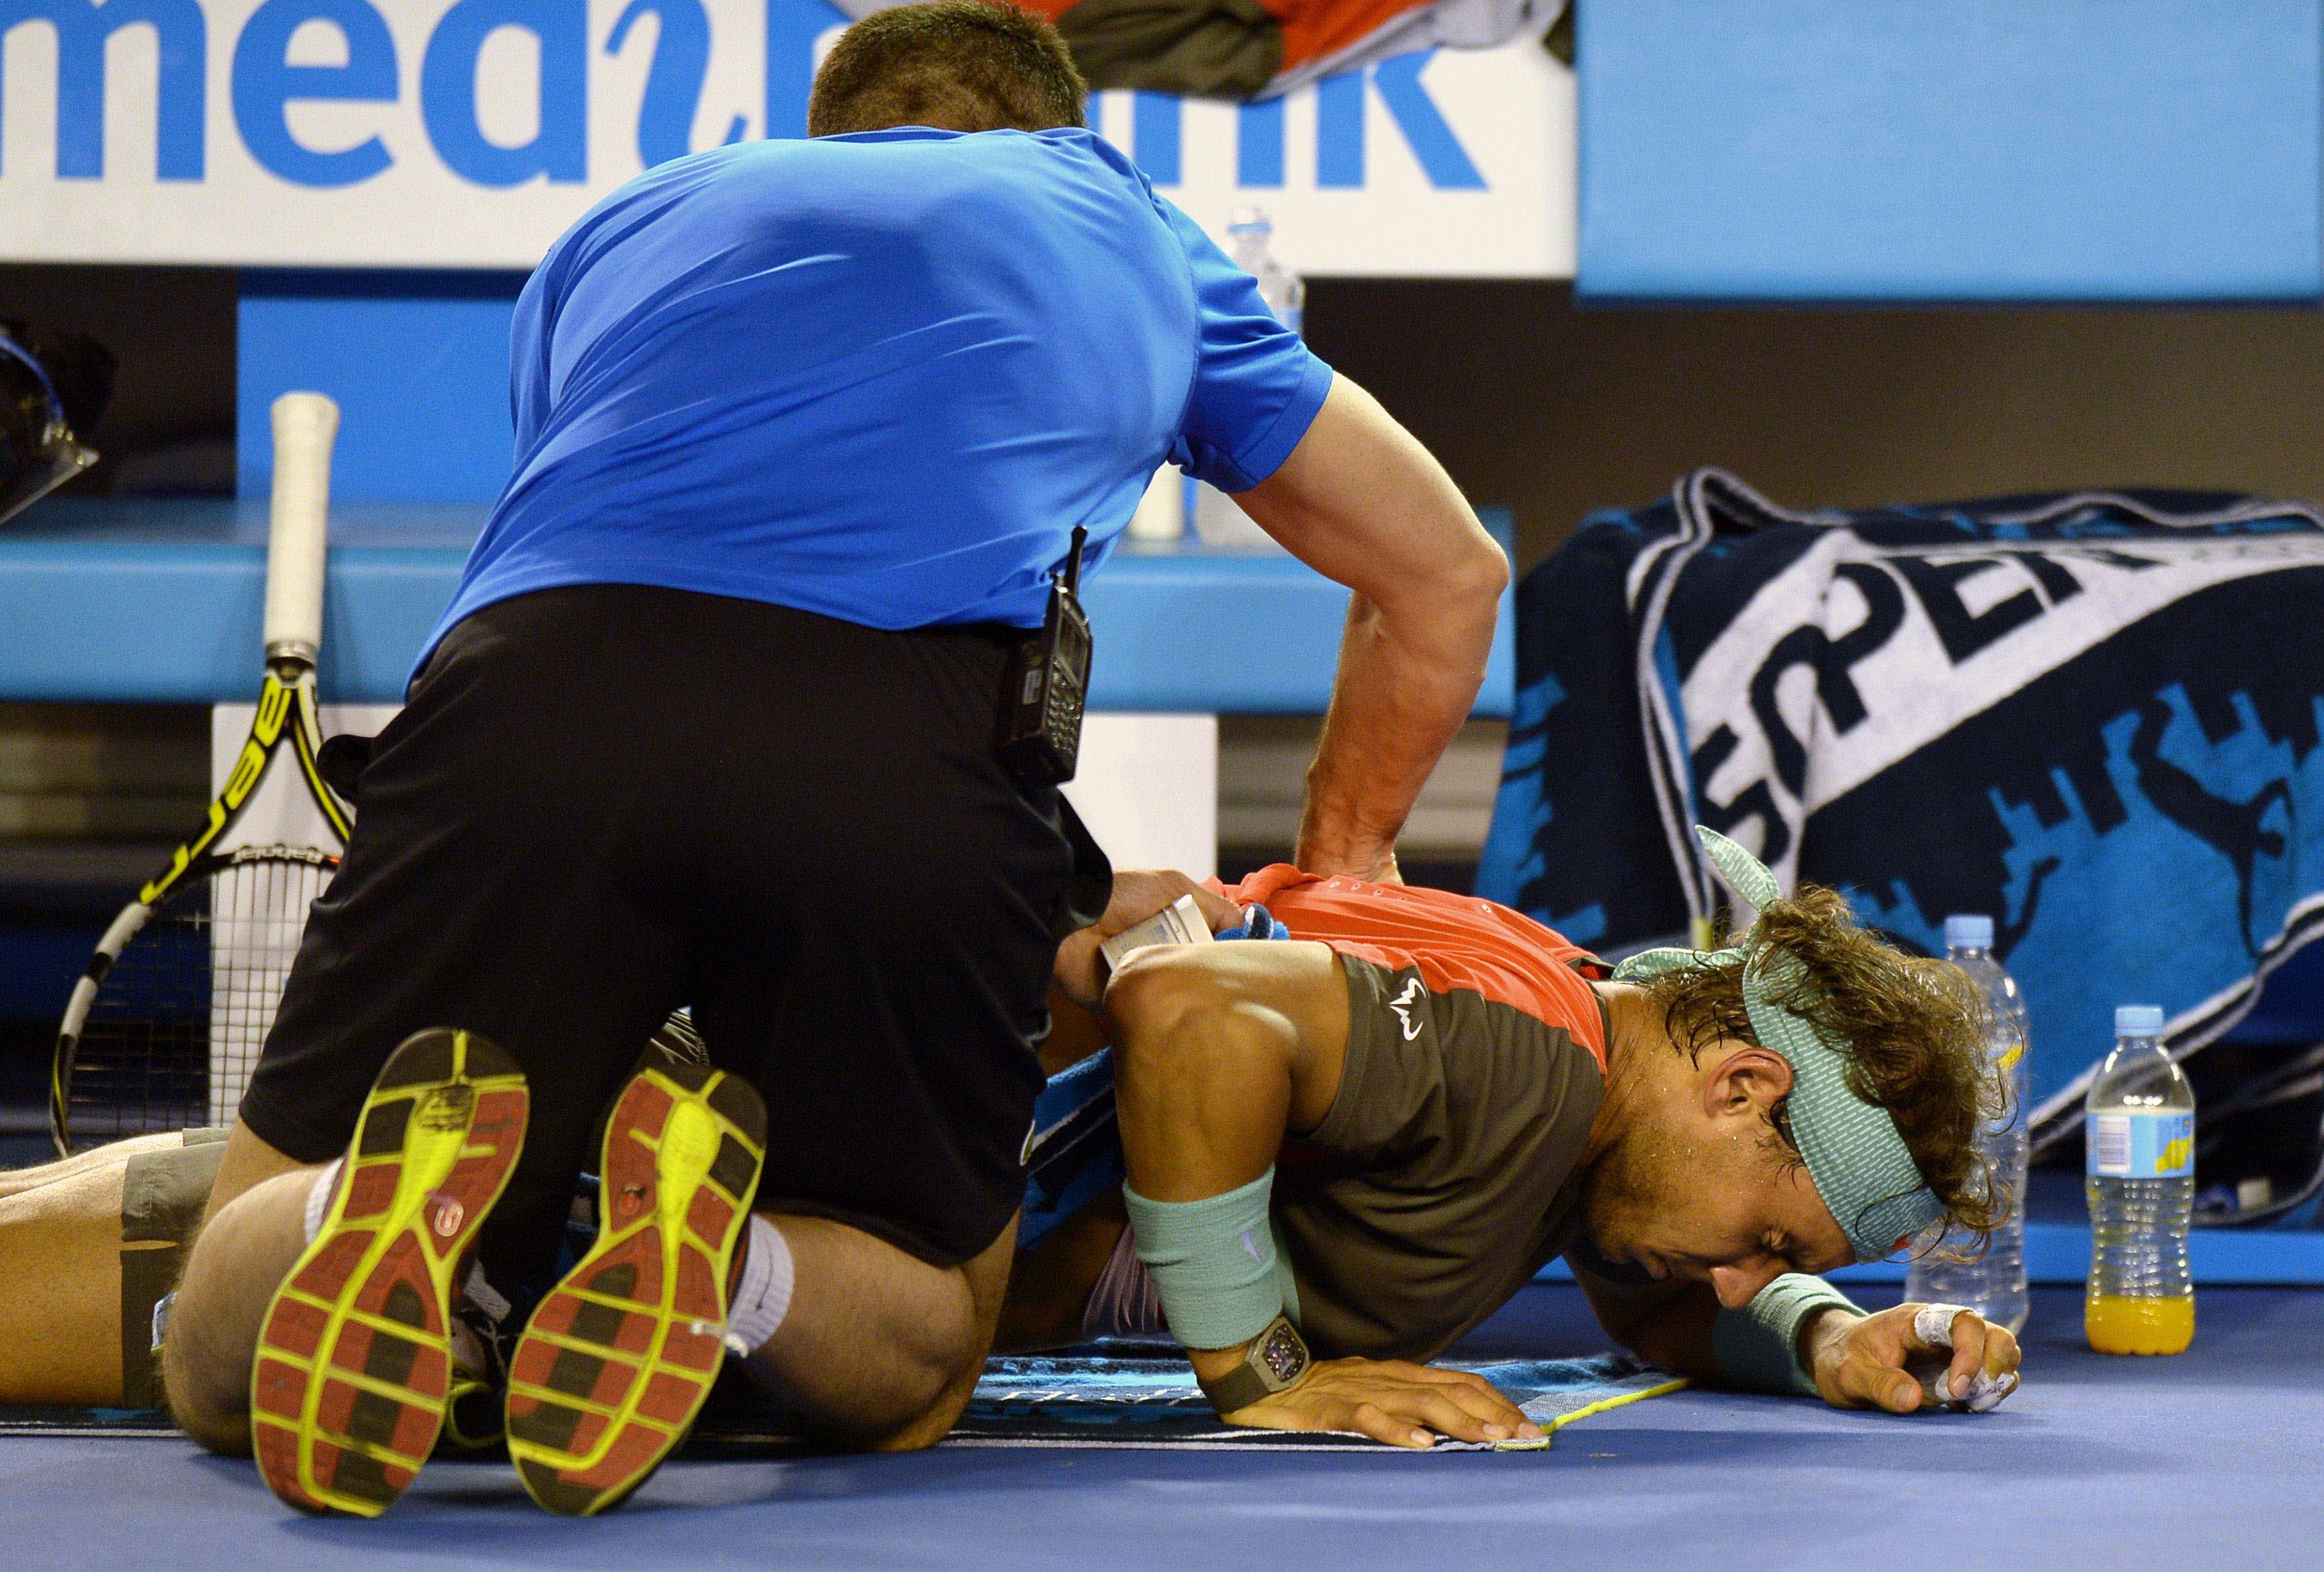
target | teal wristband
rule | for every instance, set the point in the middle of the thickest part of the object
(1759, 1347)
(1212, 1261)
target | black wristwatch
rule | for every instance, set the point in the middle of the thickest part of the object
(1275, 1358)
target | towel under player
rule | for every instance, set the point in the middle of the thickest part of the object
(805, 431)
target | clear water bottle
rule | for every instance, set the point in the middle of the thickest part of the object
(1162, 512)
(1249, 231)
(2140, 1132)
(1993, 1284)
(1217, 519)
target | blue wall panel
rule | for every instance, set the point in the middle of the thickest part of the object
(2099, 150)
(417, 361)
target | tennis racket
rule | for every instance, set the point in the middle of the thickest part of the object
(165, 1024)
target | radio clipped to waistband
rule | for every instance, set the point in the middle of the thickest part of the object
(1048, 684)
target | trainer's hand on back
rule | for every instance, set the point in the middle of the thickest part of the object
(1403, 1404)
(1860, 1361)
(1138, 895)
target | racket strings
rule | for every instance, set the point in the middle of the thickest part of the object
(177, 1024)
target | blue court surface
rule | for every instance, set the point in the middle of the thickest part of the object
(2211, 1460)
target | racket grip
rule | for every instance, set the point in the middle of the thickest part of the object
(305, 426)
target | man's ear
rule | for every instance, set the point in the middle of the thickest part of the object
(1748, 1081)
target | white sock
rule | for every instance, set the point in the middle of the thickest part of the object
(318, 1199)
(468, 1357)
(763, 1297)
(475, 1290)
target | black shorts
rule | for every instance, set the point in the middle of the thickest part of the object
(605, 802)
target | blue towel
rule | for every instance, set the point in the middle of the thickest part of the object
(1074, 1155)
(1105, 1400)
(2093, 717)
(1258, 923)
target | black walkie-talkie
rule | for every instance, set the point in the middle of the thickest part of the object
(1048, 684)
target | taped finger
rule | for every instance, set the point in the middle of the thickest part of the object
(1932, 1324)
(1985, 1391)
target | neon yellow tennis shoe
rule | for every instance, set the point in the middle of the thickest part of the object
(355, 1367)
(617, 1359)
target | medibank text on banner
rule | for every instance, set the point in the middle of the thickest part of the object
(468, 134)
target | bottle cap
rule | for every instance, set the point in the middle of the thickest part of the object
(1250, 221)
(1963, 932)
(2138, 1021)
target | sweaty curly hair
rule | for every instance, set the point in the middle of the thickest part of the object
(1913, 1031)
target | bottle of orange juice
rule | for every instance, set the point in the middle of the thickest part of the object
(2141, 1181)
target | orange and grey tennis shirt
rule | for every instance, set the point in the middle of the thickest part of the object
(1443, 1177)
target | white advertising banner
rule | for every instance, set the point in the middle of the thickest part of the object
(469, 134)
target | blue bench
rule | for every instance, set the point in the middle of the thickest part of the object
(159, 601)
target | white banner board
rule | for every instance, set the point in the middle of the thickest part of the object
(469, 134)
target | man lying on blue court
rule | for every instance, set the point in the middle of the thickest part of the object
(1318, 1162)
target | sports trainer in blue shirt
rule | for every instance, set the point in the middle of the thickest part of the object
(804, 430)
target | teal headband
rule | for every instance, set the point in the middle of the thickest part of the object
(1861, 1164)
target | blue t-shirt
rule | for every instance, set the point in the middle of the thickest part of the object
(880, 377)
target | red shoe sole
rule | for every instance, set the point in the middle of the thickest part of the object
(611, 1369)
(354, 1366)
